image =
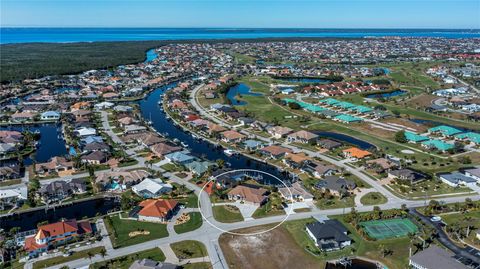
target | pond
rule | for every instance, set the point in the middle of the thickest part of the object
(432, 123)
(239, 90)
(386, 95)
(51, 141)
(346, 139)
(28, 220)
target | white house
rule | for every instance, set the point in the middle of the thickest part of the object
(50, 115)
(456, 179)
(473, 173)
(151, 188)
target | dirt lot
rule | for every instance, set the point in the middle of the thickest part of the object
(405, 122)
(272, 250)
(421, 101)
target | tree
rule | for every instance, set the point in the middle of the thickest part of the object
(400, 136)
(294, 105)
(103, 252)
(90, 255)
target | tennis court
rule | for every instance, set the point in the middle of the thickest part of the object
(383, 229)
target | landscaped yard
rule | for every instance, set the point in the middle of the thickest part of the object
(194, 223)
(227, 214)
(60, 259)
(170, 167)
(335, 202)
(373, 198)
(124, 262)
(427, 188)
(189, 249)
(130, 232)
(458, 222)
(273, 207)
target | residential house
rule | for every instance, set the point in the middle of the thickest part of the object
(304, 137)
(151, 188)
(50, 115)
(85, 131)
(320, 170)
(151, 264)
(329, 235)
(157, 210)
(296, 160)
(55, 165)
(380, 165)
(51, 235)
(126, 178)
(162, 149)
(456, 179)
(59, 190)
(473, 173)
(10, 172)
(405, 174)
(279, 131)
(232, 136)
(274, 151)
(337, 186)
(95, 158)
(355, 153)
(252, 145)
(296, 192)
(179, 158)
(248, 194)
(12, 196)
(329, 144)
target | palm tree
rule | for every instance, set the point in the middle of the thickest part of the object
(103, 252)
(90, 255)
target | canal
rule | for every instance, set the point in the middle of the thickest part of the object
(239, 90)
(150, 109)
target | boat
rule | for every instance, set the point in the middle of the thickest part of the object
(230, 152)
(195, 136)
(185, 145)
(176, 140)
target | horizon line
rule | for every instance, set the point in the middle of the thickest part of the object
(246, 28)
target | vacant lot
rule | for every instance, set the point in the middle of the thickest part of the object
(227, 213)
(189, 249)
(275, 249)
(130, 232)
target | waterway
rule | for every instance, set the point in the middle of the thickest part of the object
(28, 220)
(150, 109)
(239, 90)
(26, 34)
(151, 55)
(386, 95)
(345, 139)
(51, 142)
(431, 123)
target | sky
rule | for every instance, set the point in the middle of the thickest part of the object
(464, 14)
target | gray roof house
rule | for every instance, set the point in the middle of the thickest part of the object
(336, 185)
(456, 178)
(407, 174)
(435, 258)
(329, 235)
(151, 264)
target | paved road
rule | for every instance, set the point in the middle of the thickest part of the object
(445, 240)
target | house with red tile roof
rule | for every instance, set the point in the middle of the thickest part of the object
(58, 233)
(157, 210)
(356, 153)
(232, 136)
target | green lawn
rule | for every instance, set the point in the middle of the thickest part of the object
(194, 223)
(373, 198)
(361, 247)
(190, 201)
(462, 220)
(119, 231)
(170, 167)
(222, 214)
(268, 210)
(189, 249)
(60, 259)
(427, 188)
(334, 202)
(124, 262)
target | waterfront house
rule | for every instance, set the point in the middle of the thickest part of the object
(248, 194)
(296, 160)
(55, 234)
(415, 138)
(50, 115)
(435, 144)
(199, 167)
(232, 136)
(179, 158)
(85, 131)
(456, 179)
(8, 172)
(329, 144)
(434, 258)
(274, 151)
(103, 105)
(214, 129)
(7, 148)
(355, 153)
(162, 149)
(55, 165)
(445, 131)
(157, 210)
(13, 196)
(22, 116)
(320, 170)
(279, 131)
(133, 128)
(59, 190)
(151, 188)
(329, 235)
(96, 146)
(406, 174)
(302, 136)
(252, 145)
(295, 192)
(335, 185)
(105, 180)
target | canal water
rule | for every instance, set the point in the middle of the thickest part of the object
(86, 209)
(239, 89)
(150, 109)
(431, 123)
(386, 95)
(51, 142)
